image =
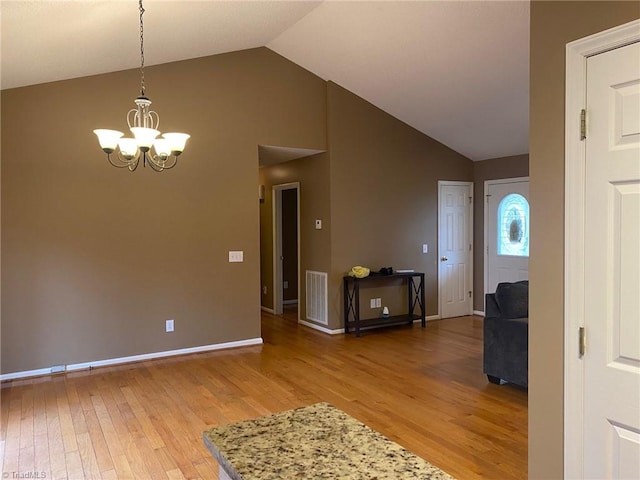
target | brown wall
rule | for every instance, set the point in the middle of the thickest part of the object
(493, 169)
(384, 194)
(315, 252)
(553, 25)
(95, 259)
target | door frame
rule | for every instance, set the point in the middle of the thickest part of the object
(443, 183)
(497, 181)
(577, 53)
(277, 243)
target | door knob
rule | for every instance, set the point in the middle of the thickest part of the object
(443, 259)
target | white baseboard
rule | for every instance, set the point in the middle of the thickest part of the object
(133, 358)
(338, 331)
(321, 328)
(268, 310)
(428, 318)
(478, 312)
(27, 373)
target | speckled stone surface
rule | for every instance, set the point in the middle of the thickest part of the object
(314, 442)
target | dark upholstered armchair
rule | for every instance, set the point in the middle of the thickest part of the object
(506, 334)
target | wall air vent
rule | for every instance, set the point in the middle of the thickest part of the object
(316, 298)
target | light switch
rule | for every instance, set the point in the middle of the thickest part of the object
(425, 248)
(236, 256)
(318, 224)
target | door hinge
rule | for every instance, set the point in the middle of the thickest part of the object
(469, 293)
(582, 342)
(583, 124)
(470, 200)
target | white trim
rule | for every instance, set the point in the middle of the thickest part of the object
(577, 53)
(341, 330)
(479, 313)
(276, 206)
(497, 181)
(321, 328)
(25, 374)
(134, 358)
(290, 302)
(442, 183)
(267, 309)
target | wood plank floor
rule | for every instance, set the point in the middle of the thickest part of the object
(422, 388)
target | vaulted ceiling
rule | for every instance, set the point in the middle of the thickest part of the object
(458, 71)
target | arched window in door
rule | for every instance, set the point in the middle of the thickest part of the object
(513, 226)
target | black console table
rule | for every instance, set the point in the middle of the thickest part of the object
(415, 298)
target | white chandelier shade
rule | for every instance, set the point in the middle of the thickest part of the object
(159, 153)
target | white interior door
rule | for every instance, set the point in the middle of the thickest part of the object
(506, 232)
(612, 266)
(455, 248)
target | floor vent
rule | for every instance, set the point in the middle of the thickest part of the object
(316, 298)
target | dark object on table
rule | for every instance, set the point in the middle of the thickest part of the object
(506, 334)
(386, 271)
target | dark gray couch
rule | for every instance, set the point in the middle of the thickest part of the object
(506, 334)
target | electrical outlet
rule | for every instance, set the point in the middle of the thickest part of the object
(425, 248)
(264, 289)
(378, 302)
(236, 256)
(285, 284)
(168, 326)
(372, 303)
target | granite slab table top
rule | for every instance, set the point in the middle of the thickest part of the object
(314, 442)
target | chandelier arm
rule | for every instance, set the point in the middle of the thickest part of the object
(155, 125)
(126, 164)
(175, 162)
(154, 165)
(134, 111)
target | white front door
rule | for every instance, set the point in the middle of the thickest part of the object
(506, 231)
(455, 250)
(612, 266)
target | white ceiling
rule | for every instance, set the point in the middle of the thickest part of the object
(457, 71)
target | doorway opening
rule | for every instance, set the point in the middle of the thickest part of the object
(286, 248)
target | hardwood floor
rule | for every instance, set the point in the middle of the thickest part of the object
(422, 388)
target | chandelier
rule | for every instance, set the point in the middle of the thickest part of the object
(143, 124)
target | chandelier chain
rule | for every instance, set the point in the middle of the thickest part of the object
(141, 50)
